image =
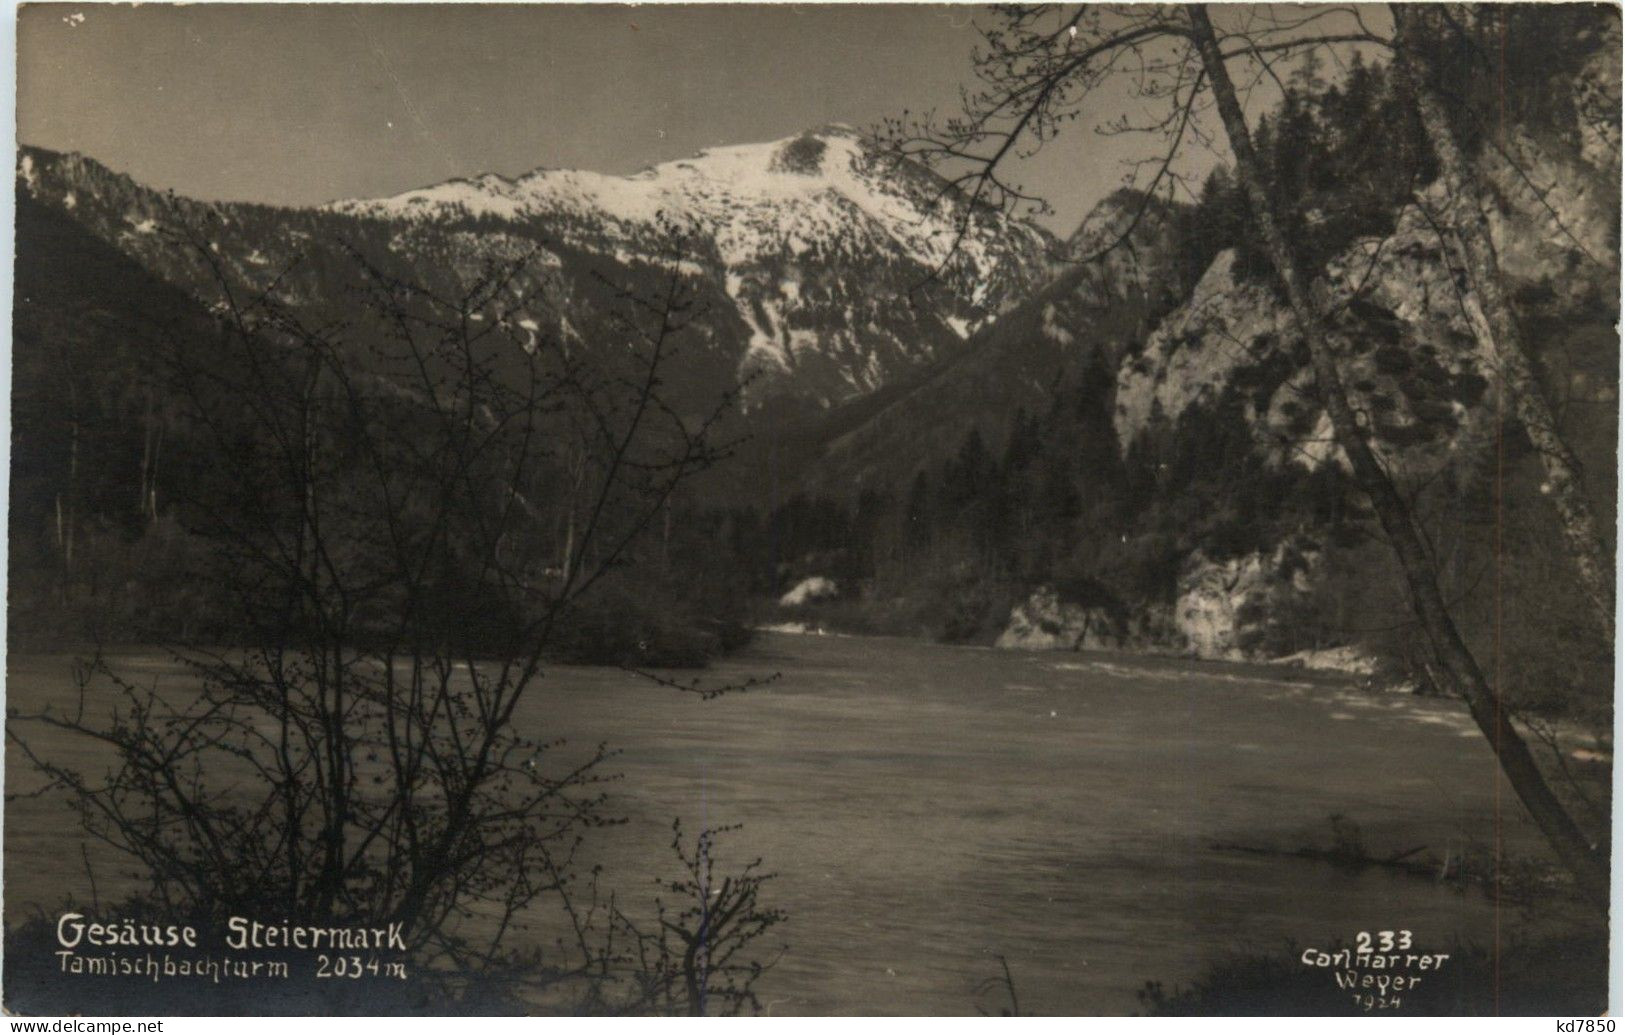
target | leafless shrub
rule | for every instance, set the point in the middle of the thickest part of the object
(405, 506)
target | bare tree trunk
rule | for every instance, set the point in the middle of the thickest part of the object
(1495, 325)
(73, 496)
(151, 504)
(152, 439)
(569, 541)
(665, 539)
(576, 469)
(67, 503)
(1455, 661)
(62, 585)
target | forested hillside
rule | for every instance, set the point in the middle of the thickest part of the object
(1143, 435)
(807, 270)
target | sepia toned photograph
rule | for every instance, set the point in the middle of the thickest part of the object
(852, 509)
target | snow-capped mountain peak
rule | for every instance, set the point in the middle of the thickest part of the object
(749, 198)
(818, 240)
(827, 270)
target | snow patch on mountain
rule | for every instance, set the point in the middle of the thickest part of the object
(745, 198)
(821, 270)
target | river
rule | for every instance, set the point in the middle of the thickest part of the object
(929, 808)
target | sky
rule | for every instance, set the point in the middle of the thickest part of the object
(301, 104)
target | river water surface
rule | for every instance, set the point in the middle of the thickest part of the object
(928, 809)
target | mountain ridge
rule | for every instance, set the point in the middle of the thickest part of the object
(825, 275)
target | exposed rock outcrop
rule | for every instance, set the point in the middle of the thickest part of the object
(1051, 619)
(1244, 608)
(1409, 355)
(809, 590)
(1044, 621)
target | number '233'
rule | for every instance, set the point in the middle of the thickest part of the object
(1387, 941)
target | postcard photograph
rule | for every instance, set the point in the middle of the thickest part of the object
(852, 509)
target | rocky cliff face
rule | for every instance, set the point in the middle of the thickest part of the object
(1407, 352)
